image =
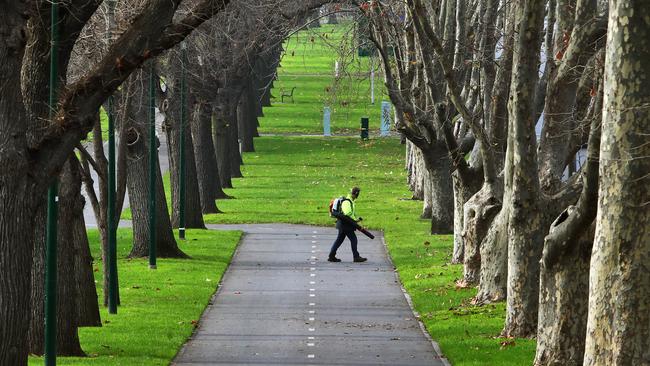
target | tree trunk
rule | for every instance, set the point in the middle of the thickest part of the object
(438, 166)
(427, 187)
(87, 306)
(618, 325)
(206, 164)
(246, 119)
(416, 169)
(17, 209)
(70, 206)
(494, 261)
(522, 197)
(562, 319)
(36, 336)
(458, 253)
(220, 136)
(479, 212)
(233, 139)
(564, 278)
(138, 184)
(193, 215)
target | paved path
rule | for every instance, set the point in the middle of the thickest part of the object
(282, 303)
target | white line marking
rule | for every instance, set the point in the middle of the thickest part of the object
(312, 311)
(312, 303)
(312, 329)
(310, 356)
(312, 262)
(311, 319)
(313, 246)
(312, 282)
(312, 289)
(312, 269)
(313, 236)
(313, 257)
(313, 242)
(311, 338)
(313, 274)
(310, 344)
(312, 295)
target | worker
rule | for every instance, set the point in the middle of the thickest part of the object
(346, 229)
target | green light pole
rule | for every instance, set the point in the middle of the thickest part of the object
(181, 173)
(52, 198)
(110, 214)
(153, 155)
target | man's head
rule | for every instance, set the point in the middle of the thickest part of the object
(354, 192)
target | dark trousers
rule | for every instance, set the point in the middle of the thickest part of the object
(339, 240)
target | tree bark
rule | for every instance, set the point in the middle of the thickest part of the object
(522, 195)
(233, 139)
(87, 305)
(193, 208)
(138, 183)
(206, 164)
(70, 207)
(479, 212)
(16, 195)
(220, 136)
(618, 325)
(246, 119)
(438, 166)
(564, 278)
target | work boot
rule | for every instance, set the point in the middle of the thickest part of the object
(333, 259)
(360, 259)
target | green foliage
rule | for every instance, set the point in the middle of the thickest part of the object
(159, 308)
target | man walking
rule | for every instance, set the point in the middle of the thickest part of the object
(347, 229)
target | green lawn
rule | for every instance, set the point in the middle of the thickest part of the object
(159, 308)
(309, 64)
(292, 179)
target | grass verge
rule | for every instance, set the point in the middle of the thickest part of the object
(159, 308)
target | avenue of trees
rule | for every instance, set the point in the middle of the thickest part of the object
(228, 50)
(555, 226)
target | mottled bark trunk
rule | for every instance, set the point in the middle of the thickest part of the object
(564, 278)
(427, 188)
(618, 326)
(206, 164)
(562, 318)
(522, 197)
(416, 175)
(438, 165)
(479, 211)
(494, 261)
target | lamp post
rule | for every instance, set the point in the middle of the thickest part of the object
(153, 155)
(52, 202)
(181, 180)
